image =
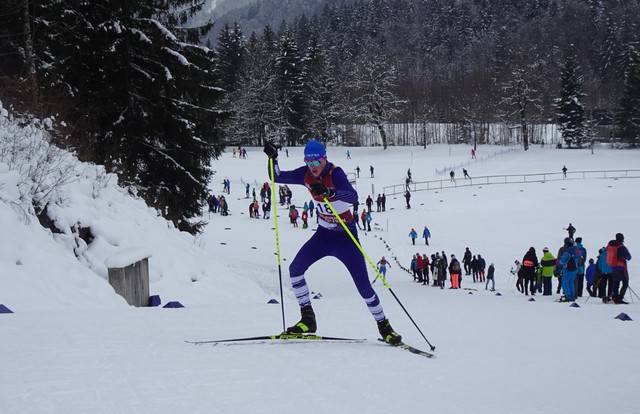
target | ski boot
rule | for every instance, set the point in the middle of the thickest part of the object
(388, 334)
(307, 323)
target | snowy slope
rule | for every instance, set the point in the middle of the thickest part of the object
(74, 346)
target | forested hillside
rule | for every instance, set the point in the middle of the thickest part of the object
(468, 62)
(254, 15)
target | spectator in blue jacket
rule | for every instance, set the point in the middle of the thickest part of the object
(604, 283)
(569, 276)
(426, 234)
(581, 267)
(312, 207)
(414, 268)
(414, 235)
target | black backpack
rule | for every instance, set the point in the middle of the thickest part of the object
(571, 264)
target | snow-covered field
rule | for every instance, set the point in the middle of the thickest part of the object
(73, 346)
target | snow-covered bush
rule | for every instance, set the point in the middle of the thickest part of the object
(25, 147)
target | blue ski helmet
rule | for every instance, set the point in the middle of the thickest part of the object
(314, 150)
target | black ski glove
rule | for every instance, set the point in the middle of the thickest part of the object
(321, 190)
(271, 149)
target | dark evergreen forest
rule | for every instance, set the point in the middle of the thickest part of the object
(466, 62)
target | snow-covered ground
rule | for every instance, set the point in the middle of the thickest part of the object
(72, 345)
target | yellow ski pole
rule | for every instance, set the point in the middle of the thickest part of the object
(275, 222)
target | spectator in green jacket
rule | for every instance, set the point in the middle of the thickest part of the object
(548, 263)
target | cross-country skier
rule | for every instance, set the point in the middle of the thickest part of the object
(382, 266)
(326, 181)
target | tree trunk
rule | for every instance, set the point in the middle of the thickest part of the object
(30, 65)
(383, 134)
(525, 130)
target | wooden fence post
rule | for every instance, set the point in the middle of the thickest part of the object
(129, 275)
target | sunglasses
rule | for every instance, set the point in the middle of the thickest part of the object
(313, 163)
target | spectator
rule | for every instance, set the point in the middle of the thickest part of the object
(414, 235)
(547, 266)
(266, 208)
(571, 230)
(425, 269)
(433, 264)
(516, 271)
(466, 260)
(419, 267)
(454, 272)
(312, 207)
(605, 282)
(590, 274)
(414, 268)
(426, 234)
(581, 265)
(490, 278)
(529, 266)
(569, 263)
(355, 214)
(617, 257)
(481, 265)
(474, 268)
(368, 219)
(293, 215)
(442, 270)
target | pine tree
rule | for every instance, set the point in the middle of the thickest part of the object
(628, 117)
(609, 47)
(230, 51)
(570, 111)
(321, 91)
(291, 89)
(18, 82)
(146, 90)
(254, 102)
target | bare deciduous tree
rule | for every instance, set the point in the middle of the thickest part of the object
(373, 98)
